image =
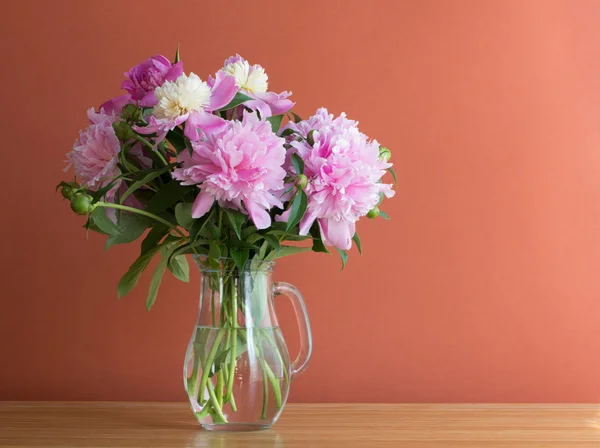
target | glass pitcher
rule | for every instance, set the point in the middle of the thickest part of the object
(237, 369)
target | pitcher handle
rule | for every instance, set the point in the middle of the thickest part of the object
(301, 362)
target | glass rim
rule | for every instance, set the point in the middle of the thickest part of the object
(261, 265)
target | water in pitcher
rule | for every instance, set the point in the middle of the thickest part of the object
(237, 376)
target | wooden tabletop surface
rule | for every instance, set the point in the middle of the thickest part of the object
(25, 424)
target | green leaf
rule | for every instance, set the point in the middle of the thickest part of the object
(149, 177)
(384, 215)
(297, 118)
(168, 195)
(129, 228)
(240, 257)
(62, 184)
(285, 251)
(98, 194)
(275, 121)
(183, 214)
(102, 221)
(179, 267)
(195, 248)
(222, 357)
(236, 220)
(243, 244)
(356, 240)
(215, 232)
(176, 140)
(287, 236)
(131, 277)
(298, 163)
(393, 173)
(157, 276)
(273, 241)
(343, 256)
(177, 58)
(248, 231)
(238, 99)
(287, 132)
(297, 209)
(318, 245)
(309, 138)
(154, 236)
(198, 225)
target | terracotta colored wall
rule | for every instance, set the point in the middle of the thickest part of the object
(485, 286)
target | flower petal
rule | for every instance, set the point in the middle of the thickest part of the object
(259, 105)
(259, 216)
(149, 99)
(204, 121)
(278, 103)
(307, 221)
(115, 105)
(284, 216)
(202, 204)
(174, 72)
(337, 233)
(223, 91)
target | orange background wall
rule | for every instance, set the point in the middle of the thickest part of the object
(484, 286)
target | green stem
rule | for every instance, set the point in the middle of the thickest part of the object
(231, 374)
(274, 384)
(216, 407)
(209, 360)
(205, 410)
(220, 388)
(149, 145)
(193, 379)
(212, 307)
(265, 391)
(279, 357)
(140, 212)
(231, 401)
(233, 351)
(270, 376)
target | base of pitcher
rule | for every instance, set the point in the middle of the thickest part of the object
(229, 427)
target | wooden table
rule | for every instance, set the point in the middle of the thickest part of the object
(168, 425)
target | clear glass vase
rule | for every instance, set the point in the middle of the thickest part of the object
(237, 369)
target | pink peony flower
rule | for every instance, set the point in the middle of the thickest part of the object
(344, 171)
(253, 81)
(189, 99)
(240, 167)
(95, 154)
(147, 76)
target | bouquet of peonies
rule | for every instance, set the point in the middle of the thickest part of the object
(221, 168)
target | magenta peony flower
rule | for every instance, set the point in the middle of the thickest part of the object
(344, 171)
(147, 76)
(240, 167)
(95, 154)
(189, 99)
(115, 105)
(253, 81)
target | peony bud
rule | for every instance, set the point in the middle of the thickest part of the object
(310, 138)
(301, 181)
(384, 153)
(132, 113)
(373, 213)
(68, 191)
(123, 130)
(81, 204)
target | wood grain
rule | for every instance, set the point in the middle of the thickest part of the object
(24, 424)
